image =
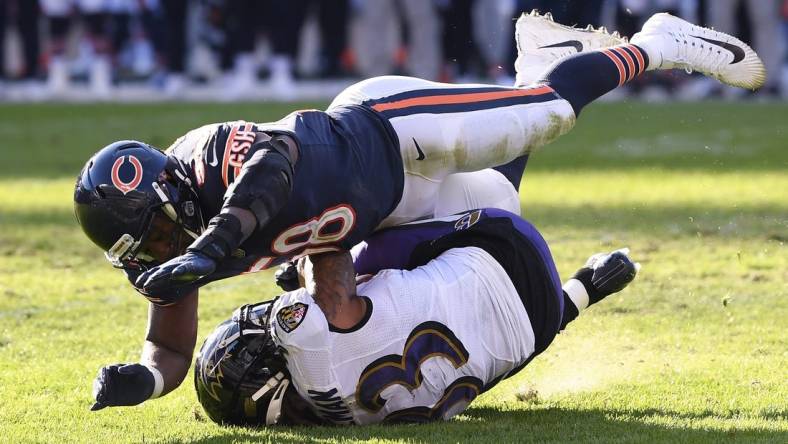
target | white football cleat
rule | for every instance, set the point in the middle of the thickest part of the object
(671, 42)
(541, 41)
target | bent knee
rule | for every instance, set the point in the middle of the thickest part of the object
(480, 189)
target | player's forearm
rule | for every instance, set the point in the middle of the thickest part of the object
(330, 279)
(246, 217)
(170, 341)
(173, 366)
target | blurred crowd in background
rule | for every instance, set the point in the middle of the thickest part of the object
(252, 49)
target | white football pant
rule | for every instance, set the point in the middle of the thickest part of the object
(445, 129)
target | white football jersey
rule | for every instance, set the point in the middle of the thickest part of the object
(433, 339)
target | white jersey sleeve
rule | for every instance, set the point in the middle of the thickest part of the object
(299, 326)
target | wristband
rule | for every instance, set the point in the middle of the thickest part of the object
(577, 293)
(158, 381)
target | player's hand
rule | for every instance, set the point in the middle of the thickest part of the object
(122, 385)
(217, 242)
(287, 276)
(176, 272)
(607, 273)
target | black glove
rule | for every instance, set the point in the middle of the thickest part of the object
(287, 276)
(122, 384)
(607, 273)
(176, 272)
(219, 240)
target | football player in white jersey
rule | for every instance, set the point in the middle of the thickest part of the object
(476, 297)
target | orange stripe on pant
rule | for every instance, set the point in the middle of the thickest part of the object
(622, 75)
(462, 98)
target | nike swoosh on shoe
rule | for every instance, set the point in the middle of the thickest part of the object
(578, 45)
(738, 53)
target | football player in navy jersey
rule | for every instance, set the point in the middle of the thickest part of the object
(238, 197)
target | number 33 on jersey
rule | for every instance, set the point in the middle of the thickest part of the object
(433, 339)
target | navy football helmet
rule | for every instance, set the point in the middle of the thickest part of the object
(241, 375)
(137, 204)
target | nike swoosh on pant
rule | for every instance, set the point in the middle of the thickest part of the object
(418, 148)
(738, 53)
(578, 45)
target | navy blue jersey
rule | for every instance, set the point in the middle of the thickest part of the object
(348, 178)
(511, 240)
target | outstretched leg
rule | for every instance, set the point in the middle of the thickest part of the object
(582, 78)
(444, 129)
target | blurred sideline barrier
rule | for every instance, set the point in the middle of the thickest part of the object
(295, 50)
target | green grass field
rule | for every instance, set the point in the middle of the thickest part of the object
(696, 350)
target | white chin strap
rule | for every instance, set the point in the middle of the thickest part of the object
(275, 406)
(279, 383)
(270, 385)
